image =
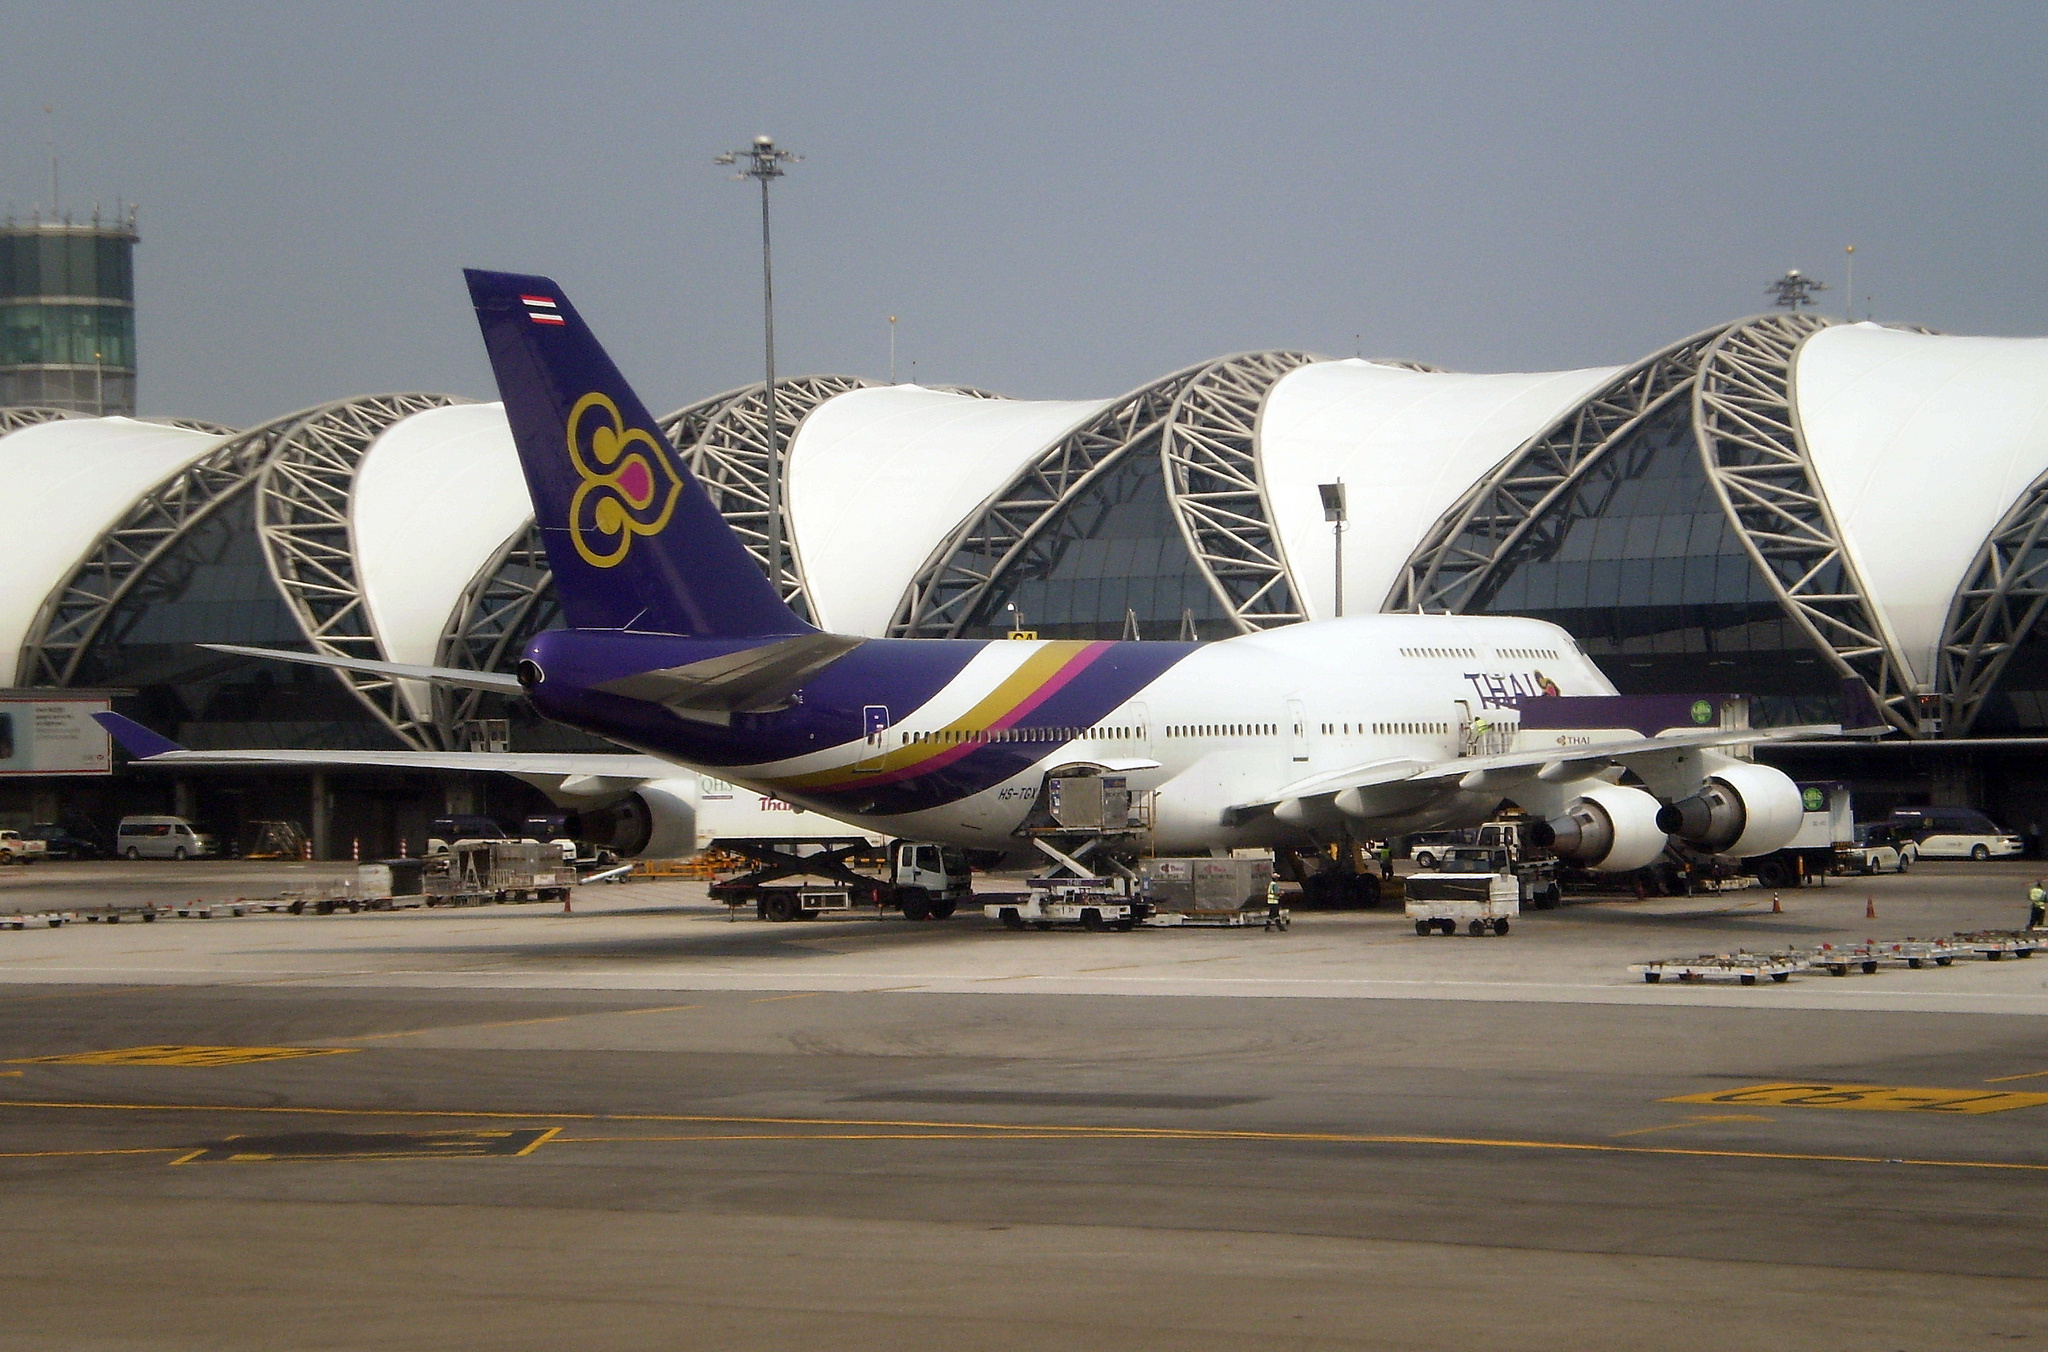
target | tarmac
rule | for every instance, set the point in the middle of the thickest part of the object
(646, 1124)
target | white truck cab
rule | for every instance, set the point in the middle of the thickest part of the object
(16, 848)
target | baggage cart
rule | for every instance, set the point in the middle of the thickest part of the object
(1478, 903)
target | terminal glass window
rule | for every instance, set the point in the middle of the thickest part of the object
(1639, 563)
(212, 586)
(1113, 548)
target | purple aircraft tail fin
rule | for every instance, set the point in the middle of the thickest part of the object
(633, 540)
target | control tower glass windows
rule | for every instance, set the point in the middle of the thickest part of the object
(66, 335)
(57, 263)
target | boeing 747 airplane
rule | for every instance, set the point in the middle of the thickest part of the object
(678, 648)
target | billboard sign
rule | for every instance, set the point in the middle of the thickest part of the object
(47, 733)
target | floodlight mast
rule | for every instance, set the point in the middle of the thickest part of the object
(1334, 513)
(1795, 290)
(763, 161)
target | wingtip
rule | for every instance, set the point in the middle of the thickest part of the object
(135, 739)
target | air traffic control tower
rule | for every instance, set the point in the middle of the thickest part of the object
(67, 313)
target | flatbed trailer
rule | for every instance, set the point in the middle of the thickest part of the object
(1993, 945)
(1744, 969)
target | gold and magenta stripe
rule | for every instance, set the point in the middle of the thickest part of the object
(1038, 678)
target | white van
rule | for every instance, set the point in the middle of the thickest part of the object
(161, 838)
(1952, 833)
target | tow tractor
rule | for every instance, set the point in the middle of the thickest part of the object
(924, 881)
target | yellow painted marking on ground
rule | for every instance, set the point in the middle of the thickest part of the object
(1871, 1097)
(1045, 1131)
(800, 995)
(75, 995)
(1695, 1121)
(2030, 1075)
(69, 1154)
(477, 1143)
(13, 1074)
(1221, 957)
(520, 1023)
(178, 1056)
(1120, 967)
(884, 990)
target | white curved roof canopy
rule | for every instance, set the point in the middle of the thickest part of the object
(69, 481)
(435, 496)
(1921, 442)
(879, 477)
(1406, 444)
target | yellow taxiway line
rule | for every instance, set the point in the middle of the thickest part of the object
(919, 1129)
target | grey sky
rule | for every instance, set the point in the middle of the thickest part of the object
(1056, 200)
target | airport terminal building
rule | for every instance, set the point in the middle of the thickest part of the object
(1769, 507)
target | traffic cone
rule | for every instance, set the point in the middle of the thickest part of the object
(1777, 904)
(1870, 908)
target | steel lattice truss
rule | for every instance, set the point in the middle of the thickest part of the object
(944, 595)
(511, 598)
(128, 554)
(302, 520)
(729, 456)
(18, 416)
(1209, 449)
(197, 425)
(1461, 559)
(1749, 438)
(1998, 605)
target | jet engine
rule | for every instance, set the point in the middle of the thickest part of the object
(658, 820)
(1742, 810)
(1610, 828)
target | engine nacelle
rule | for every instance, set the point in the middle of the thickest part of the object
(1611, 829)
(658, 820)
(1742, 810)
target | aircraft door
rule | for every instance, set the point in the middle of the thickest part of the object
(875, 718)
(1297, 722)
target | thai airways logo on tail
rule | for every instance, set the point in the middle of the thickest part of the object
(622, 494)
(634, 542)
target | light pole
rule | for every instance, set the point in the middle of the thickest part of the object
(1849, 305)
(1795, 290)
(1333, 512)
(762, 161)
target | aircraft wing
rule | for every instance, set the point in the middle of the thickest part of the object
(494, 681)
(576, 774)
(1553, 763)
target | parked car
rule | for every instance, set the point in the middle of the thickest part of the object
(61, 843)
(1954, 833)
(162, 838)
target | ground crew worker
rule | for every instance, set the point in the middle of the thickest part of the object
(2037, 903)
(1272, 903)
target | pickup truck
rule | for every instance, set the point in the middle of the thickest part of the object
(15, 848)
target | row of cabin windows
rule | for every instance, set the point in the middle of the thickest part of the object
(1439, 652)
(1546, 654)
(1223, 730)
(961, 736)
